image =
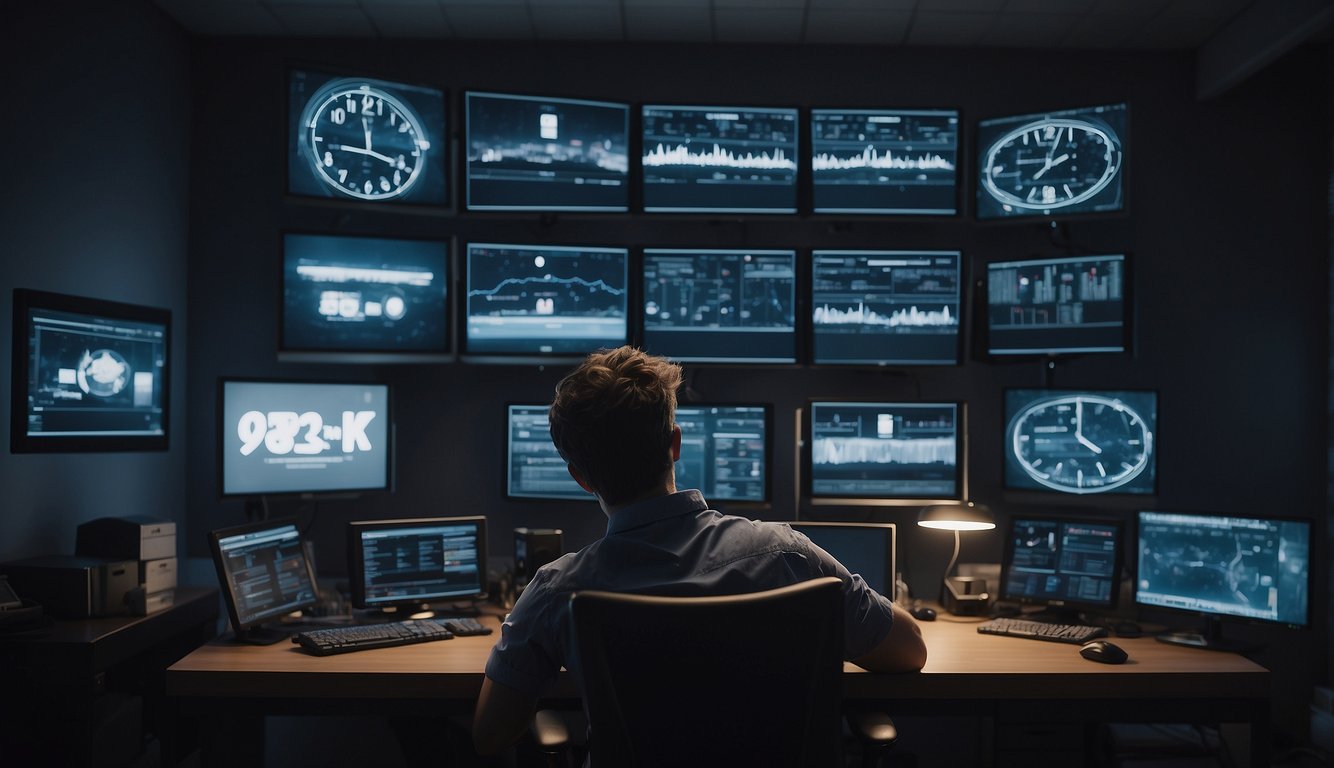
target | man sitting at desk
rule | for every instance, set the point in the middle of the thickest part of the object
(613, 421)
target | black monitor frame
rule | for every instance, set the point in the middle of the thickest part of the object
(584, 498)
(1065, 609)
(719, 501)
(251, 631)
(357, 564)
(20, 441)
(890, 577)
(984, 334)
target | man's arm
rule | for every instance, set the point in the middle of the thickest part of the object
(902, 650)
(502, 716)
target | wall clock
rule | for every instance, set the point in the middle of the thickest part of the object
(1081, 443)
(362, 141)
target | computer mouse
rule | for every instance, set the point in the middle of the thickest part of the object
(1103, 651)
(923, 613)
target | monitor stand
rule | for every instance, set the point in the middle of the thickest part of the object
(1056, 614)
(1210, 639)
(262, 636)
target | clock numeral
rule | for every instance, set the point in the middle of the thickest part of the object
(367, 103)
(404, 127)
(342, 175)
(384, 184)
(328, 159)
(398, 178)
(368, 188)
(393, 118)
(338, 116)
(401, 163)
(352, 106)
(379, 107)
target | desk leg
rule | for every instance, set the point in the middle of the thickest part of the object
(231, 739)
(1249, 742)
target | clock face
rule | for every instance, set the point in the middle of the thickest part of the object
(1050, 164)
(364, 142)
(1082, 443)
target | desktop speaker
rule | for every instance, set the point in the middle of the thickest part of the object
(966, 595)
(533, 548)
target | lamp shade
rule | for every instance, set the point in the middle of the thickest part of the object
(958, 516)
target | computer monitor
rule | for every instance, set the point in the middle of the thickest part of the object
(416, 561)
(534, 468)
(720, 306)
(1221, 566)
(540, 301)
(882, 453)
(1065, 306)
(361, 139)
(303, 437)
(88, 375)
(719, 159)
(548, 154)
(1081, 441)
(725, 451)
(265, 574)
(885, 307)
(1068, 564)
(1061, 163)
(865, 549)
(364, 300)
(896, 161)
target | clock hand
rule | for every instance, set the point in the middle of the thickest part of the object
(1084, 441)
(376, 155)
(365, 126)
(1059, 160)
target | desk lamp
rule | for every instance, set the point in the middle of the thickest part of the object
(960, 595)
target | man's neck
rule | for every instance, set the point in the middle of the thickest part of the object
(666, 489)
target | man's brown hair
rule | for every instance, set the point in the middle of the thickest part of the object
(612, 421)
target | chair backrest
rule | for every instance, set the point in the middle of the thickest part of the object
(694, 681)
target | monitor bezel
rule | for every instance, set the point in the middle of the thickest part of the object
(357, 564)
(229, 594)
(985, 334)
(505, 447)
(20, 441)
(1007, 560)
(219, 446)
(891, 562)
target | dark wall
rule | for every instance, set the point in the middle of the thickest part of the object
(1226, 228)
(95, 204)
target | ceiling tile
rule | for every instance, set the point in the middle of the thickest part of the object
(961, 29)
(1027, 30)
(758, 4)
(1050, 6)
(1208, 9)
(480, 3)
(777, 25)
(872, 27)
(869, 5)
(324, 20)
(1102, 31)
(668, 23)
(310, 3)
(1175, 33)
(576, 23)
(416, 20)
(209, 17)
(1129, 7)
(628, 4)
(482, 22)
(959, 6)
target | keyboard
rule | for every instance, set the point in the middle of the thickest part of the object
(1077, 634)
(361, 637)
(464, 626)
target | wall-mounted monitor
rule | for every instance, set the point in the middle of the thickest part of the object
(365, 140)
(1065, 306)
(534, 468)
(1067, 564)
(303, 437)
(416, 561)
(363, 299)
(885, 307)
(1081, 441)
(885, 161)
(719, 159)
(725, 451)
(537, 301)
(1062, 163)
(720, 306)
(882, 453)
(264, 574)
(538, 153)
(88, 375)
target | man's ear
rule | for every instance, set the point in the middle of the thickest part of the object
(676, 443)
(578, 478)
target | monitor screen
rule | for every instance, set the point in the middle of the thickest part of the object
(364, 299)
(1062, 562)
(724, 451)
(1057, 306)
(361, 139)
(542, 153)
(1052, 164)
(865, 549)
(720, 306)
(720, 159)
(284, 437)
(416, 561)
(539, 300)
(1081, 442)
(534, 468)
(263, 570)
(885, 161)
(88, 375)
(878, 452)
(885, 307)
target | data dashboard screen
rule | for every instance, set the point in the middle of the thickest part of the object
(724, 451)
(898, 161)
(542, 153)
(1081, 441)
(885, 307)
(416, 561)
(264, 569)
(720, 305)
(1057, 306)
(1064, 562)
(544, 300)
(883, 451)
(720, 159)
(534, 468)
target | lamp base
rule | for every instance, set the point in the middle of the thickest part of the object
(966, 595)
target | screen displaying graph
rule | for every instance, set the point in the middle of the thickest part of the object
(885, 307)
(885, 161)
(720, 305)
(724, 159)
(724, 451)
(883, 450)
(541, 300)
(1057, 306)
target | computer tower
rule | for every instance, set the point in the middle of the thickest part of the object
(533, 548)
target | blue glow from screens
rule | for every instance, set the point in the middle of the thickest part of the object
(885, 307)
(866, 549)
(720, 305)
(723, 451)
(885, 161)
(361, 139)
(364, 294)
(1244, 567)
(884, 450)
(1064, 562)
(723, 159)
(417, 561)
(1081, 442)
(1057, 306)
(540, 153)
(534, 468)
(542, 300)
(267, 573)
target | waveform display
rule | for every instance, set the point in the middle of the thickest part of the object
(884, 450)
(717, 157)
(885, 161)
(870, 450)
(860, 315)
(1053, 306)
(871, 158)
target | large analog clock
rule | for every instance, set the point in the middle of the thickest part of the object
(1082, 443)
(362, 141)
(1050, 164)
